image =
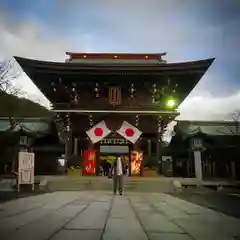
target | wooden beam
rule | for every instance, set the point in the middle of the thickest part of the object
(175, 113)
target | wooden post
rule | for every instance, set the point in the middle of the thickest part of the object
(75, 147)
(213, 168)
(188, 163)
(97, 148)
(149, 148)
(68, 142)
(233, 169)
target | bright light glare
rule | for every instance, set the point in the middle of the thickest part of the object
(170, 103)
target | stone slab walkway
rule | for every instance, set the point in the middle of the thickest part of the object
(99, 215)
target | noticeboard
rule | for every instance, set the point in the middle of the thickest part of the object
(26, 168)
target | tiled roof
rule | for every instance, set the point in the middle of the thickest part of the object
(214, 128)
(27, 125)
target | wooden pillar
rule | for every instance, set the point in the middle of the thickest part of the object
(75, 149)
(97, 148)
(188, 163)
(233, 169)
(66, 147)
(149, 148)
(68, 141)
(213, 168)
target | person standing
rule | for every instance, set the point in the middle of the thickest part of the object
(117, 175)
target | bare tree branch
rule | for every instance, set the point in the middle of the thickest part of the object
(235, 116)
(8, 73)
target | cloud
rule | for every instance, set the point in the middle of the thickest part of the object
(189, 30)
(28, 39)
(207, 107)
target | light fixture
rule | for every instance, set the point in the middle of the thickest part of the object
(132, 90)
(154, 90)
(171, 103)
(96, 90)
(137, 121)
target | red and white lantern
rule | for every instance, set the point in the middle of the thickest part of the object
(129, 132)
(98, 132)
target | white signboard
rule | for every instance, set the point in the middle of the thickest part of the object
(26, 168)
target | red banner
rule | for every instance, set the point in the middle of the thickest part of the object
(89, 162)
(136, 162)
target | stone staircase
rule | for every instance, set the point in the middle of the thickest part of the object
(131, 184)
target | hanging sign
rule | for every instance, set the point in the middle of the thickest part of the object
(26, 168)
(136, 162)
(89, 162)
(115, 96)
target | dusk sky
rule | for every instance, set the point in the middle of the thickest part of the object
(186, 29)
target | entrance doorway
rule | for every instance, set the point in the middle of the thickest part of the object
(109, 153)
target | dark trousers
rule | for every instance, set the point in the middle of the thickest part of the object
(118, 183)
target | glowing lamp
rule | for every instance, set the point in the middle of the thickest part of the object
(170, 103)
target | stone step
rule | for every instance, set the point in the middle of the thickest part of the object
(130, 184)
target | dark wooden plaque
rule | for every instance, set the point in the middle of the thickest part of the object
(115, 96)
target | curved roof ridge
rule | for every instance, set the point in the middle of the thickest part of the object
(122, 54)
(22, 60)
(208, 122)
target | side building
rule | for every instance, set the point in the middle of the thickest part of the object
(220, 149)
(38, 135)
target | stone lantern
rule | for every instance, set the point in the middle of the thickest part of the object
(197, 147)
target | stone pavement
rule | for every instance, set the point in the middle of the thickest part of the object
(99, 215)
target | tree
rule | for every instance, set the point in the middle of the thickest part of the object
(13, 106)
(232, 128)
(8, 75)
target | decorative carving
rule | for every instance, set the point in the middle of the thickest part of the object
(90, 120)
(68, 123)
(174, 89)
(169, 81)
(159, 124)
(132, 90)
(154, 90)
(75, 96)
(137, 121)
(96, 90)
(53, 86)
(115, 96)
